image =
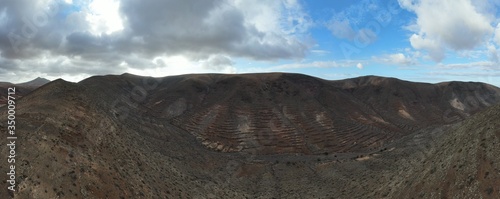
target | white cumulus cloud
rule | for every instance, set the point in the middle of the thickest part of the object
(448, 24)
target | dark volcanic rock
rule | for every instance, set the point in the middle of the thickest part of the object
(22, 89)
(256, 135)
(293, 113)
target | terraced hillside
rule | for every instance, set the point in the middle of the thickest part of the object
(293, 113)
(255, 136)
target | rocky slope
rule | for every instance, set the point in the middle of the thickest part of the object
(22, 89)
(256, 136)
(293, 113)
(464, 162)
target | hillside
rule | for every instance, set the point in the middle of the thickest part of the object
(256, 135)
(463, 163)
(22, 89)
(293, 113)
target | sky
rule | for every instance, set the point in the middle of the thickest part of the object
(416, 40)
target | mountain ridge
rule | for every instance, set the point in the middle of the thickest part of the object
(22, 89)
(140, 137)
(252, 106)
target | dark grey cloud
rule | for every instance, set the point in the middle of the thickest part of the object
(157, 26)
(218, 62)
(28, 28)
(199, 28)
(7, 65)
(58, 38)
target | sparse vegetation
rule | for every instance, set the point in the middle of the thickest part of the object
(306, 147)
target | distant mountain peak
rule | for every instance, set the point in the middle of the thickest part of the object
(37, 82)
(40, 79)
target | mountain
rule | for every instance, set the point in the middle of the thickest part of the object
(255, 135)
(34, 83)
(463, 162)
(294, 113)
(22, 89)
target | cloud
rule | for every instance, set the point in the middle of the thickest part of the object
(492, 53)
(342, 29)
(456, 25)
(318, 64)
(482, 65)
(497, 35)
(217, 62)
(257, 30)
(435, 49)
(397, 59)
(104, 17)
(361, 22)
(123, 34)
(359, 66)
(320, 52)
